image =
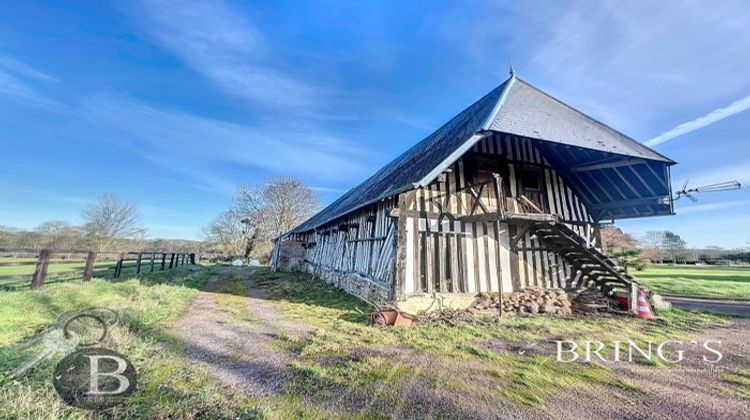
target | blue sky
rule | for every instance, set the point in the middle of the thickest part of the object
(172, 104)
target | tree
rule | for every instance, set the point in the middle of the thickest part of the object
(7, 236)
(109, 220)
(59, 235)
(277, 205)
(629, 257)
(259, 214)
(613, 237)
(226, 232)
(673, 245)
(651, 245)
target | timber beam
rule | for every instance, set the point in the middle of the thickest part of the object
(608, 164)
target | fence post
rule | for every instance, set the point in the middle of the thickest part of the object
(138, 263)
(153, 255)
(40, 273)
(182, 259)
(88, 271)
(192, 259)
(171, 261)
(163, 260)
(118, 266)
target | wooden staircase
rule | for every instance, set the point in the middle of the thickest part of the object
(592, 264)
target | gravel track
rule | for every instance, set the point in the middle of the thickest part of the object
(246, 357)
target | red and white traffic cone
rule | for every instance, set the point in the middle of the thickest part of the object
(644, 309)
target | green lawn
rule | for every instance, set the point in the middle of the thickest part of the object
(169, 386)
(706, 281)
(102, 269)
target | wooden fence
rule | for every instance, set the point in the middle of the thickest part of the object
(105, 264)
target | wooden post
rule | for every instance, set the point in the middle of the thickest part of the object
(153, 255)
(404, 202)
(163, 260)
(138, 263)
(40, 273)
(118, 266)
(634, 298)
(598, 238)
(88, 271)
(171, 261)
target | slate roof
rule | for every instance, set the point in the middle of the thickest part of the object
(529, 112)
(514, 107)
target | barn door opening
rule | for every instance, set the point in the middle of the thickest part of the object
(533, 190)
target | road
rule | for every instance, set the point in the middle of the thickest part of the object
(727, 307)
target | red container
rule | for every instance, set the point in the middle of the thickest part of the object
(622, 301)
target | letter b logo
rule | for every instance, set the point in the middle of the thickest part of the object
(95, 378)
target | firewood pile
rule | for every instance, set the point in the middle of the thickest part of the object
(529, 302)
(535, 300)
(451, 316)
(591, 301)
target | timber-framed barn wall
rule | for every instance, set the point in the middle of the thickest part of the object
(507, 195)
(440, 253)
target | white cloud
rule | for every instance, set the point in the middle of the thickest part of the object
(15, 84)
(223, 46)
(198, 146)
(739, 172)
(18, 67)
(633, 64)
(700, 122)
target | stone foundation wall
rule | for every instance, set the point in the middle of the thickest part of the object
(355, 284)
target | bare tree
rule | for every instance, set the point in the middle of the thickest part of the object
(277, 205)
(652, 245)
(59, 235)
(7, 236)
(109, 220)
(227, 233)
(261, 213)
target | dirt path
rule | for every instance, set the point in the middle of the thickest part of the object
(242, 355)
(245, 353)
(693, 389)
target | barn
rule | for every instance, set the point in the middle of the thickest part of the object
(508, 194)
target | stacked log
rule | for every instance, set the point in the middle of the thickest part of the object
(533, 300)
(591, 301)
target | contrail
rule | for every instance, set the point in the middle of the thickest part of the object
(700, 122)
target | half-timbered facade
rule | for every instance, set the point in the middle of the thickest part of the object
(508, 194)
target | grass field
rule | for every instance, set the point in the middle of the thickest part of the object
(704, 281)
(328, 362)
(169, 386)
(22, 273)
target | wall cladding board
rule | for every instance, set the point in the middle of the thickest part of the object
(442, 254)
(447, 255)
(356, 253)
